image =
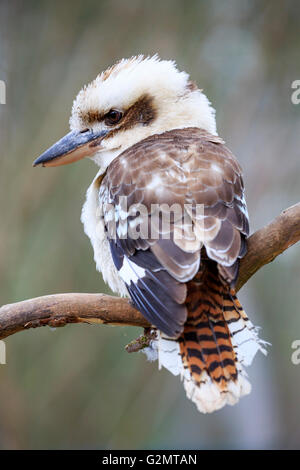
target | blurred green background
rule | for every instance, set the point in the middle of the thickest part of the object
(76, 387)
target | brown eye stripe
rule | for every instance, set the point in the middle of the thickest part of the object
(89, 117)
(142, 111)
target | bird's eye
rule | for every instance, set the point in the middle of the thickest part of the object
(113, 117)
(84, 131)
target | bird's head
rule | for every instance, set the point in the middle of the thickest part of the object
(132, 100)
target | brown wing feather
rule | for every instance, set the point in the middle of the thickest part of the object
(187, 166)
(183, 167)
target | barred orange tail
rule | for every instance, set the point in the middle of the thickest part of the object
(206, 343)
(218, 339)
(217, 342)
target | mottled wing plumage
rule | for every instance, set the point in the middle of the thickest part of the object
(185, 168)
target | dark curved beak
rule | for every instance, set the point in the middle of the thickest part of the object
(71, 148)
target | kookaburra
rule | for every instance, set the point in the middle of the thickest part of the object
(152, 133)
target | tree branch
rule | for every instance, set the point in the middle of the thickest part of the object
(58, 310)
(269, 242)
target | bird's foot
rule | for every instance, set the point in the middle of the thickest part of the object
(143, 341)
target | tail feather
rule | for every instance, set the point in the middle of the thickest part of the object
(217, 341)
(244, 335)
(206, 341)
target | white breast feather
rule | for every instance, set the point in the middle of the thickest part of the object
(94, 229)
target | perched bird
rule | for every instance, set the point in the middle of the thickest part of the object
(152, 132)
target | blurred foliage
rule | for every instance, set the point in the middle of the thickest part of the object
(76, 387)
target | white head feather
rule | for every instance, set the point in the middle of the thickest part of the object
(176, 101)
